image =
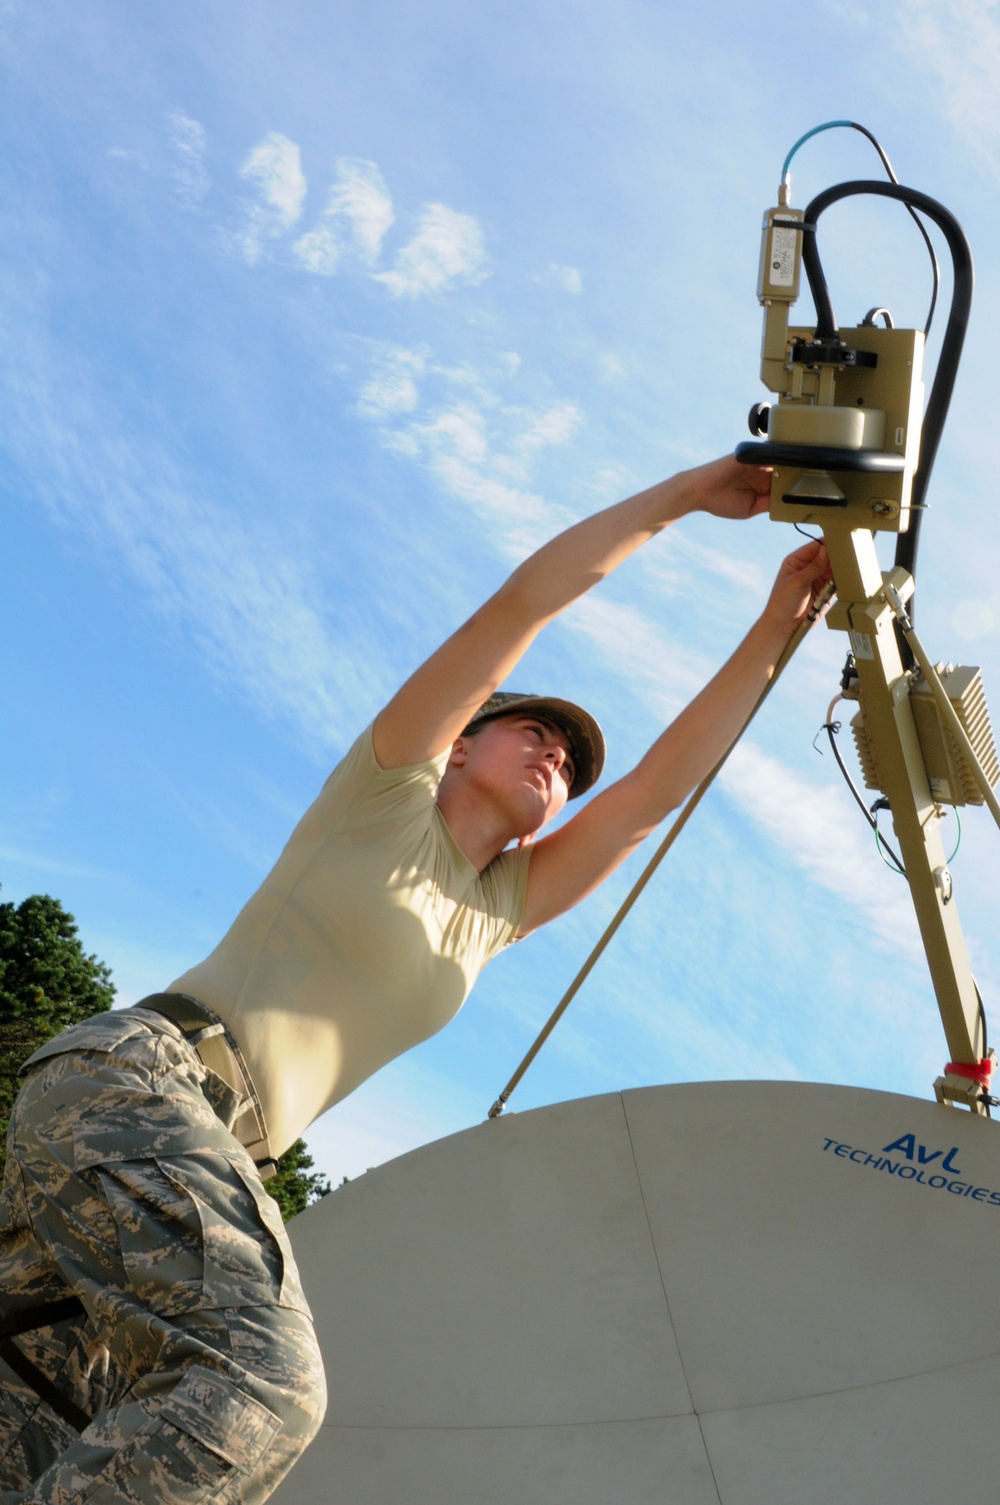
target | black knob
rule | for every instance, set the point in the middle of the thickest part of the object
(757, 419)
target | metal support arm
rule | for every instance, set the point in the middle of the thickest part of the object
(865, 612)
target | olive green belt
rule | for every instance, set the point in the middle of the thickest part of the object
(218, 1051)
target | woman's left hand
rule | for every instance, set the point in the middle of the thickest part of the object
(801, 580)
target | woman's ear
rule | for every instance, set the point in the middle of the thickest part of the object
(459, 753)
(525, 841)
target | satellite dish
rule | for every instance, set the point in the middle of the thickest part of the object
(749, 1293)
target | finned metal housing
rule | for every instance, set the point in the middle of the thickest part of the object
(951, 778)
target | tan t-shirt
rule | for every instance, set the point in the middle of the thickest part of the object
(366, 937)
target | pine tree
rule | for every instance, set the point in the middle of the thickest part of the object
(294, 1185)
(48, 981)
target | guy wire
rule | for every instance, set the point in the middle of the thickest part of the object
(675, 830)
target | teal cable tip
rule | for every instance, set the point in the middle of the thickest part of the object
(829, 126)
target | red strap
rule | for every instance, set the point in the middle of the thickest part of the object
(974, 1073)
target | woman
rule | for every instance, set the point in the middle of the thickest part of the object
(420, 860)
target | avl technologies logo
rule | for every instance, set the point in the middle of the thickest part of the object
(909, 1160)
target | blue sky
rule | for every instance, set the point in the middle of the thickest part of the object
(313, 320)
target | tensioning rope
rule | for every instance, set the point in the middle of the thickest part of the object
(675, 830)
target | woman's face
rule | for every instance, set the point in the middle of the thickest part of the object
(525, 761)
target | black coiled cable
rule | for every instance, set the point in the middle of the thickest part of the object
(954, 335)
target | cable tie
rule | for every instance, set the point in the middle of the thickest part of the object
(980, 1073)
(807, 227)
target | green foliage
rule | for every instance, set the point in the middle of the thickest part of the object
(293, 1186)
(48, 981)
(45, 974)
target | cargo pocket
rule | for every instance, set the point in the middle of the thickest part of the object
(247, 1259)
(199, 1232)
(262, 1245)
(204, 1432)
(159, 1230)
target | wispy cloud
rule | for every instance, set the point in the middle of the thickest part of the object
(454, 448)
(358, 215)
(190, 176)
(958, 43)
(459, 434)
(275, 167)
(391, 389)
(458, 446)
(555, 426)
(682, 563)
(447, 248)
(661, 673)
(479, 447)
(806, 820)
(570, 279)
(127, 154)
(257, 610)
(361, 197)
(320, 250)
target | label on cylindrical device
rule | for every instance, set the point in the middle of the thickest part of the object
(781, 268)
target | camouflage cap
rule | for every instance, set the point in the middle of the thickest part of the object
(585, 736)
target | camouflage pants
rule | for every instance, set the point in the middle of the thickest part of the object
(196, 1356)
